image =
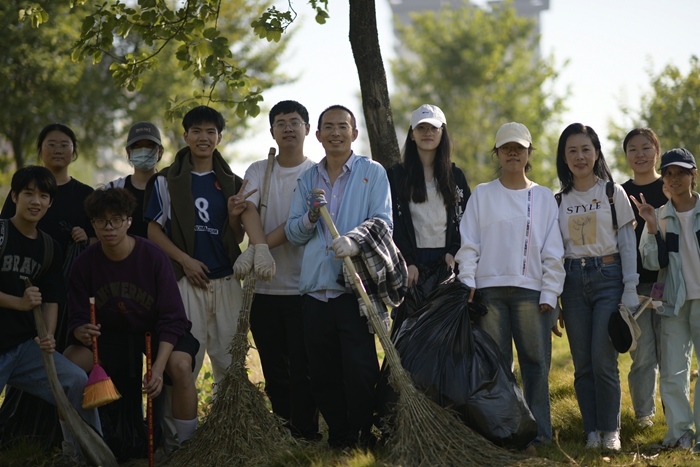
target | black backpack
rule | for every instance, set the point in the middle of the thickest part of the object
(48, 247)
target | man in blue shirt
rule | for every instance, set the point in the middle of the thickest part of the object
(343, 362)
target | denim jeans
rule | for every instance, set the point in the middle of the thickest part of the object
(514, 315)
(645, 360)
(22, 367)
(592, 292)
(679, 334)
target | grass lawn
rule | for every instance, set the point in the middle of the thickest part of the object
(637, 444)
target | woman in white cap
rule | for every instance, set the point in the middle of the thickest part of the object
(511, 251)
(143, 150)
(596, 223)
(429, 193)
(670, 244)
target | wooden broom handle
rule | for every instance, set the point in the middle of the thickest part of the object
(93, 321)
(149, 402)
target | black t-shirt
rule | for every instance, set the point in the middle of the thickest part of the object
(654, 195)
(139, 226)
(23, 257)
(65, 212)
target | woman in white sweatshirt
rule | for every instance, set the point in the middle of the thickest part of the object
(511, 251)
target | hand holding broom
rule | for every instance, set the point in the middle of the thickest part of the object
(91, 443)
(100, 389)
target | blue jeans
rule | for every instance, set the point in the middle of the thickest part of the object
(645, 360)
(679, 334)
(592, 292)
(23, 368)
(514, 315)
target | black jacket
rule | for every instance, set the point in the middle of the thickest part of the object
(404, 232)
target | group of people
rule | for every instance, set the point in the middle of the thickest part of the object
(161, 255)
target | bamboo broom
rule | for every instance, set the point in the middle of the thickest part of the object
(149, 401)
(100, 389)
(91, 443)
(239, 430)
(425, 434)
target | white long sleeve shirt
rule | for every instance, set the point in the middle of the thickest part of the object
(512, 238)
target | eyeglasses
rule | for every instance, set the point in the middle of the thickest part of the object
(423, 129)
(294, 124)
(518, 149)
(54, 146)
(115, 222)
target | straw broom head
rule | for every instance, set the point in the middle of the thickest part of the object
(100, 389)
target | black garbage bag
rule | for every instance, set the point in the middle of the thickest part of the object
(460, 367)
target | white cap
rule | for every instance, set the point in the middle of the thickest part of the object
(428, 113)
(513, 133)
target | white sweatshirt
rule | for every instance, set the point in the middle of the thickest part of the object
(511, 238)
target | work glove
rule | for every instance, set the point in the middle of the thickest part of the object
(314, 200)
(244, 263)
(629, 297)
(264, 262)
(345, 246)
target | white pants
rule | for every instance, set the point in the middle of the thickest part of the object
(214, 315)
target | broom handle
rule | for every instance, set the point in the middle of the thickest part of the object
(390, 352)
(93, 321)
(266, 185)
(149, 402)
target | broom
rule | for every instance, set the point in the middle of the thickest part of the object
(239, 430)
(91, 443)
(149, 401)
(100, 389)
(425, 434)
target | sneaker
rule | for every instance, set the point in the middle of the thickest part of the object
(696, 448)
(593, 441)
(611, 441)
(645, 422)
(684, 442)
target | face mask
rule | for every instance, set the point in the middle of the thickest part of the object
(144, 158)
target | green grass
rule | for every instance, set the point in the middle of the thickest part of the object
(568, 448)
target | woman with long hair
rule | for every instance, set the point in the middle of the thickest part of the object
(643, 151)
(429, 194)
(601, 270)
(511, 251)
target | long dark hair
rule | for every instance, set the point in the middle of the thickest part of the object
(600, 168)
(413, 185)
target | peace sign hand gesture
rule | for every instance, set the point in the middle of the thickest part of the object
(237, 202)
(646, 212)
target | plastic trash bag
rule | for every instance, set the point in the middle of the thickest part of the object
(460, 367)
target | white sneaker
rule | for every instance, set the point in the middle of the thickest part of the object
(611, 441)
(593, 441)
(684, 442)
(645, 422)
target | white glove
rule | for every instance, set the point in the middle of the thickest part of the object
(264, 262)
(244, 263)
(345, 246)
(629, 297)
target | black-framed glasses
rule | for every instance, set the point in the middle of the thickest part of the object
(115, 222)
(516, 148)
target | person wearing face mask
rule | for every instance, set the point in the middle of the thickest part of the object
(143, 149)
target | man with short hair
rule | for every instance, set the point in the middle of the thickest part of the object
(275, 316)
(342, 358)
(29, 253)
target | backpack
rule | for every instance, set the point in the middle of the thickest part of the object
(48, 247)
(609, 191)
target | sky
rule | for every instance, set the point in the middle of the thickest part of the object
(610, 46)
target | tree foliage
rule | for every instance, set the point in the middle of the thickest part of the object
(671, 108)
(482, 69)
(39, 84)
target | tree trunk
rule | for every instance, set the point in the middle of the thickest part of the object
(364, 41)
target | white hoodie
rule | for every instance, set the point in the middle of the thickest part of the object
(511, 238)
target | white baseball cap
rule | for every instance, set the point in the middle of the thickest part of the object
(513, 132)
(430, 114)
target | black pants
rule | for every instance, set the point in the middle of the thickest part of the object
(276, 324)
(343, 366)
